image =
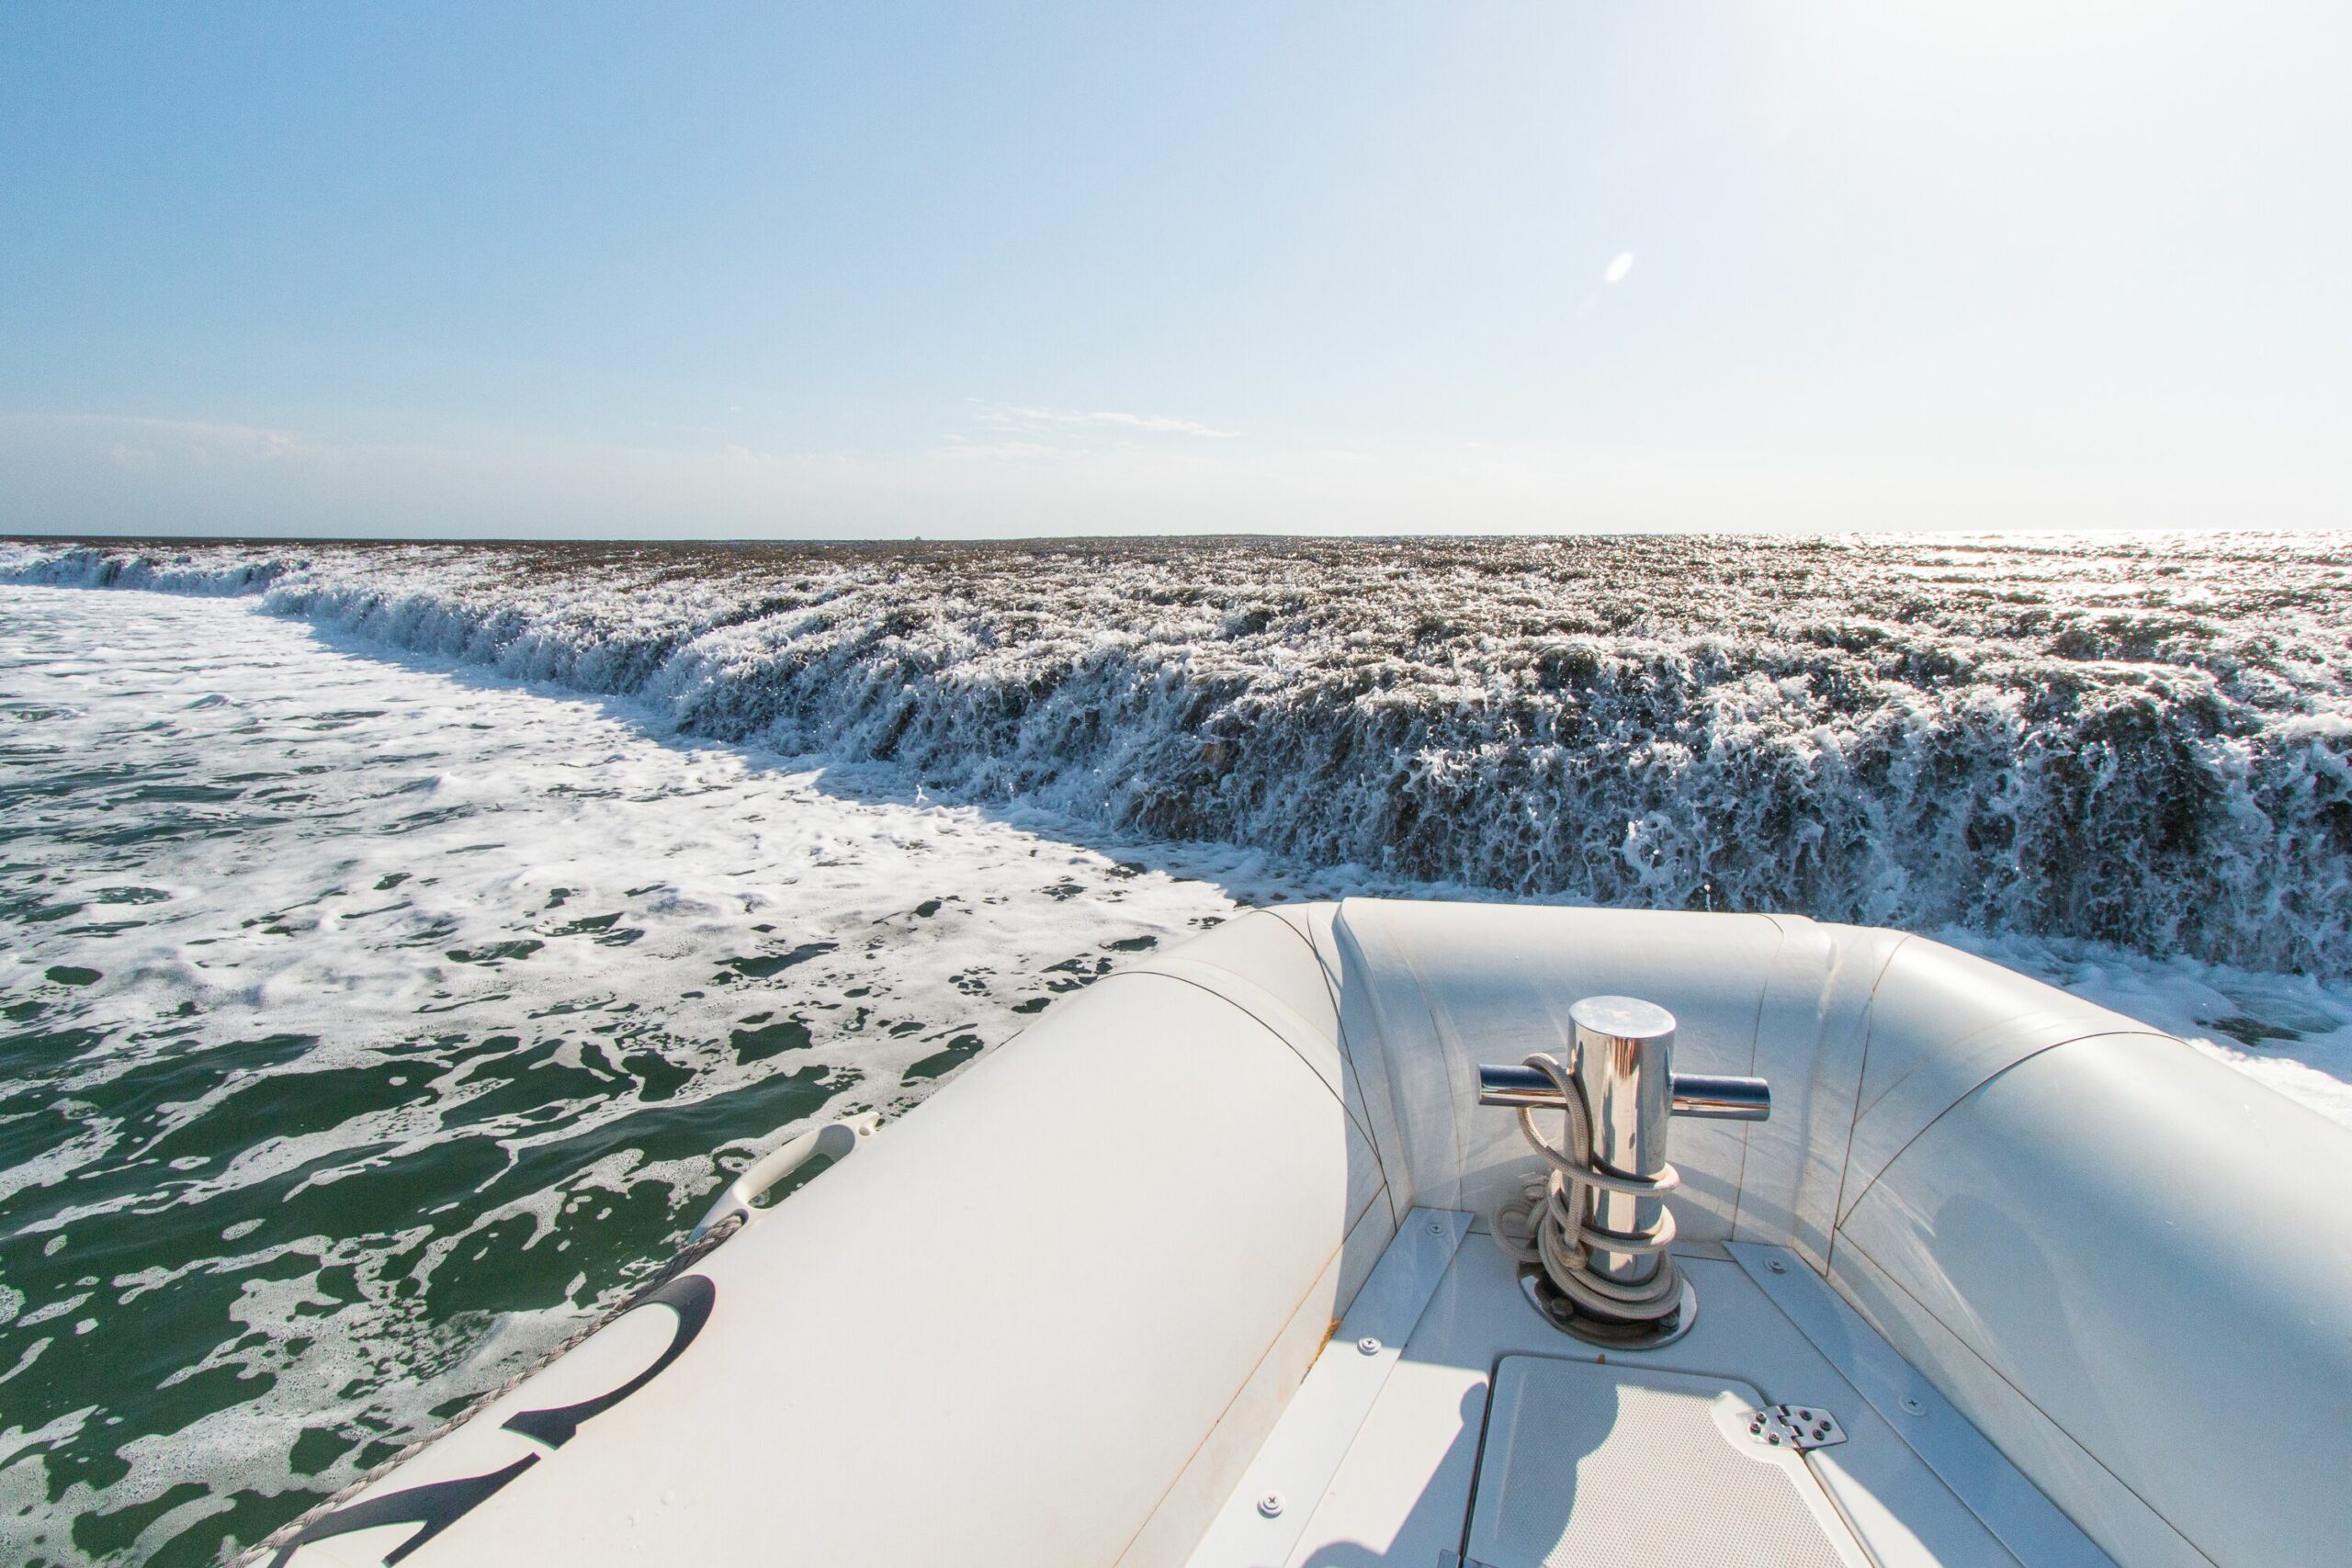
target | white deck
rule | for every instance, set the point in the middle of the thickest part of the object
(1374, 1458)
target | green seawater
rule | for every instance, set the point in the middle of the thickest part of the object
(364, 1031)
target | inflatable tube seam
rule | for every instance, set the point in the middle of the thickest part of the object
(1884, 1278)
(1299, 919)
(1812, 1019)
(1328, 1274)
(1376, 1080)
(1847, 1210)
(1853, 1098)
(1215, 981)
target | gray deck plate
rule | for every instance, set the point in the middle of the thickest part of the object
(1402, 1492)
(1584, 1465)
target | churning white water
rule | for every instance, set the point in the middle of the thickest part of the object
(2146, 743)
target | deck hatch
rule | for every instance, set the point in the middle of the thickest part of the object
(1589, 1465)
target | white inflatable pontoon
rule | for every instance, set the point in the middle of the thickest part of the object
(1197, 1271)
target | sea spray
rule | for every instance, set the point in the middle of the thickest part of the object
(2142, 741)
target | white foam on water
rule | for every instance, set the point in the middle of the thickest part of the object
(2138, 739)
(438, 892)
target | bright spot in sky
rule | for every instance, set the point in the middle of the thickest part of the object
(1620, 268)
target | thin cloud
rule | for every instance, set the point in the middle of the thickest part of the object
(957, 446)
(201, 438)
(1024, 417)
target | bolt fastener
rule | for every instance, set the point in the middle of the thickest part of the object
(1271, 1505)
(1368, 1344)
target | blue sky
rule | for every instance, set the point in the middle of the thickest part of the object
(877, 269)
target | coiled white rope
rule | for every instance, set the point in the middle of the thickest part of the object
(1557, 1217)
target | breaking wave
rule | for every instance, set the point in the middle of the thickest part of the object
(2142, 741)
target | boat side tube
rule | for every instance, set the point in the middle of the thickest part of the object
(1051, 1317)
(2129, 1265)
(1047, 1319)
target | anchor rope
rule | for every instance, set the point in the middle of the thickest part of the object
(1556, 1217)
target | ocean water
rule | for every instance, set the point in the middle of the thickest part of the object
(400, 944)
(362, 1028)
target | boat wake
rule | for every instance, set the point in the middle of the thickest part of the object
(2142, 742)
